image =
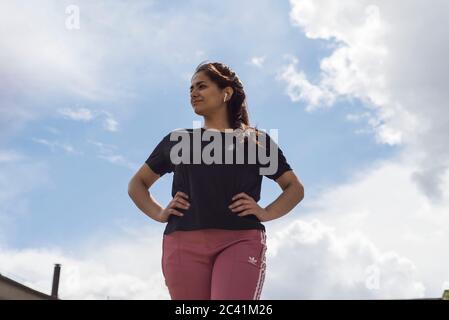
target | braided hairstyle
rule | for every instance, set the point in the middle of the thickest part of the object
(223, 76)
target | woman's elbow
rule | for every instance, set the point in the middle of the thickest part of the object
(300, 191)
(133, 184)
(130, 187)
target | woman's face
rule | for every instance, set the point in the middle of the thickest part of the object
(205, 96)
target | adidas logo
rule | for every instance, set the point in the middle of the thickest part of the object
(252, 260)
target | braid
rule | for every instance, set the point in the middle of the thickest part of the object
(237, 107)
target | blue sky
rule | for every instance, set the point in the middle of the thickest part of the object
(83, 108)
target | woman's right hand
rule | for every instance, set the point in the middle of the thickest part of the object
(178, 201)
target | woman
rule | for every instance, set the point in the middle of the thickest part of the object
(214, 243)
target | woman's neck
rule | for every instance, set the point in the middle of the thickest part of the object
(217, 125)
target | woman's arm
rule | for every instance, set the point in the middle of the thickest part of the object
(138, 191)
(292, 194)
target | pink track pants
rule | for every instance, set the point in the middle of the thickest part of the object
(214, 264)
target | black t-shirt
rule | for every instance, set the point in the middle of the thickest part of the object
(211, 186)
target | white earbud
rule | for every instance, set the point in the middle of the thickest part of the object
(224, 100)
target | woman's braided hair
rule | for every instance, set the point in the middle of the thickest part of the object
(224, 77)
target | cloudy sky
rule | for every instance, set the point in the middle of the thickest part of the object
(357, 90)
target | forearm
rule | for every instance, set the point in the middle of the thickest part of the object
(144, 200)
(288, 199)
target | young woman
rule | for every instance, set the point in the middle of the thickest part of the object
(214, 242)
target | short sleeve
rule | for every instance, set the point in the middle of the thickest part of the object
(159, 159)
(282, 164)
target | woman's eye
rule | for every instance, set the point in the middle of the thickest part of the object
(200, 86)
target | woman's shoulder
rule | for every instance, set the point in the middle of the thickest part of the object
(179, 131)
(175, 134)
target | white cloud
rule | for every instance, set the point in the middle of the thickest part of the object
(123, 268)
(53, 130)
(87, 115)
(308, 261)
(56, 60)
(258, 61)
(110, 124)
(305, 260)
(136, 45)
(52, 60)
(103, 147)
(300, 89)
(119, 160)
(81, 114)
(108, 153)
(357, 117)
(9, 156)
(377, 59)
(382, 203)
(104, 151)
(55, 145)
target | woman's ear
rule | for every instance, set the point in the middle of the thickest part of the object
(228, 93)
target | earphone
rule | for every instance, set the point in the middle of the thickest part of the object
(224, 100)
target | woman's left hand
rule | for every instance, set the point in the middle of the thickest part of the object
(244, 202)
